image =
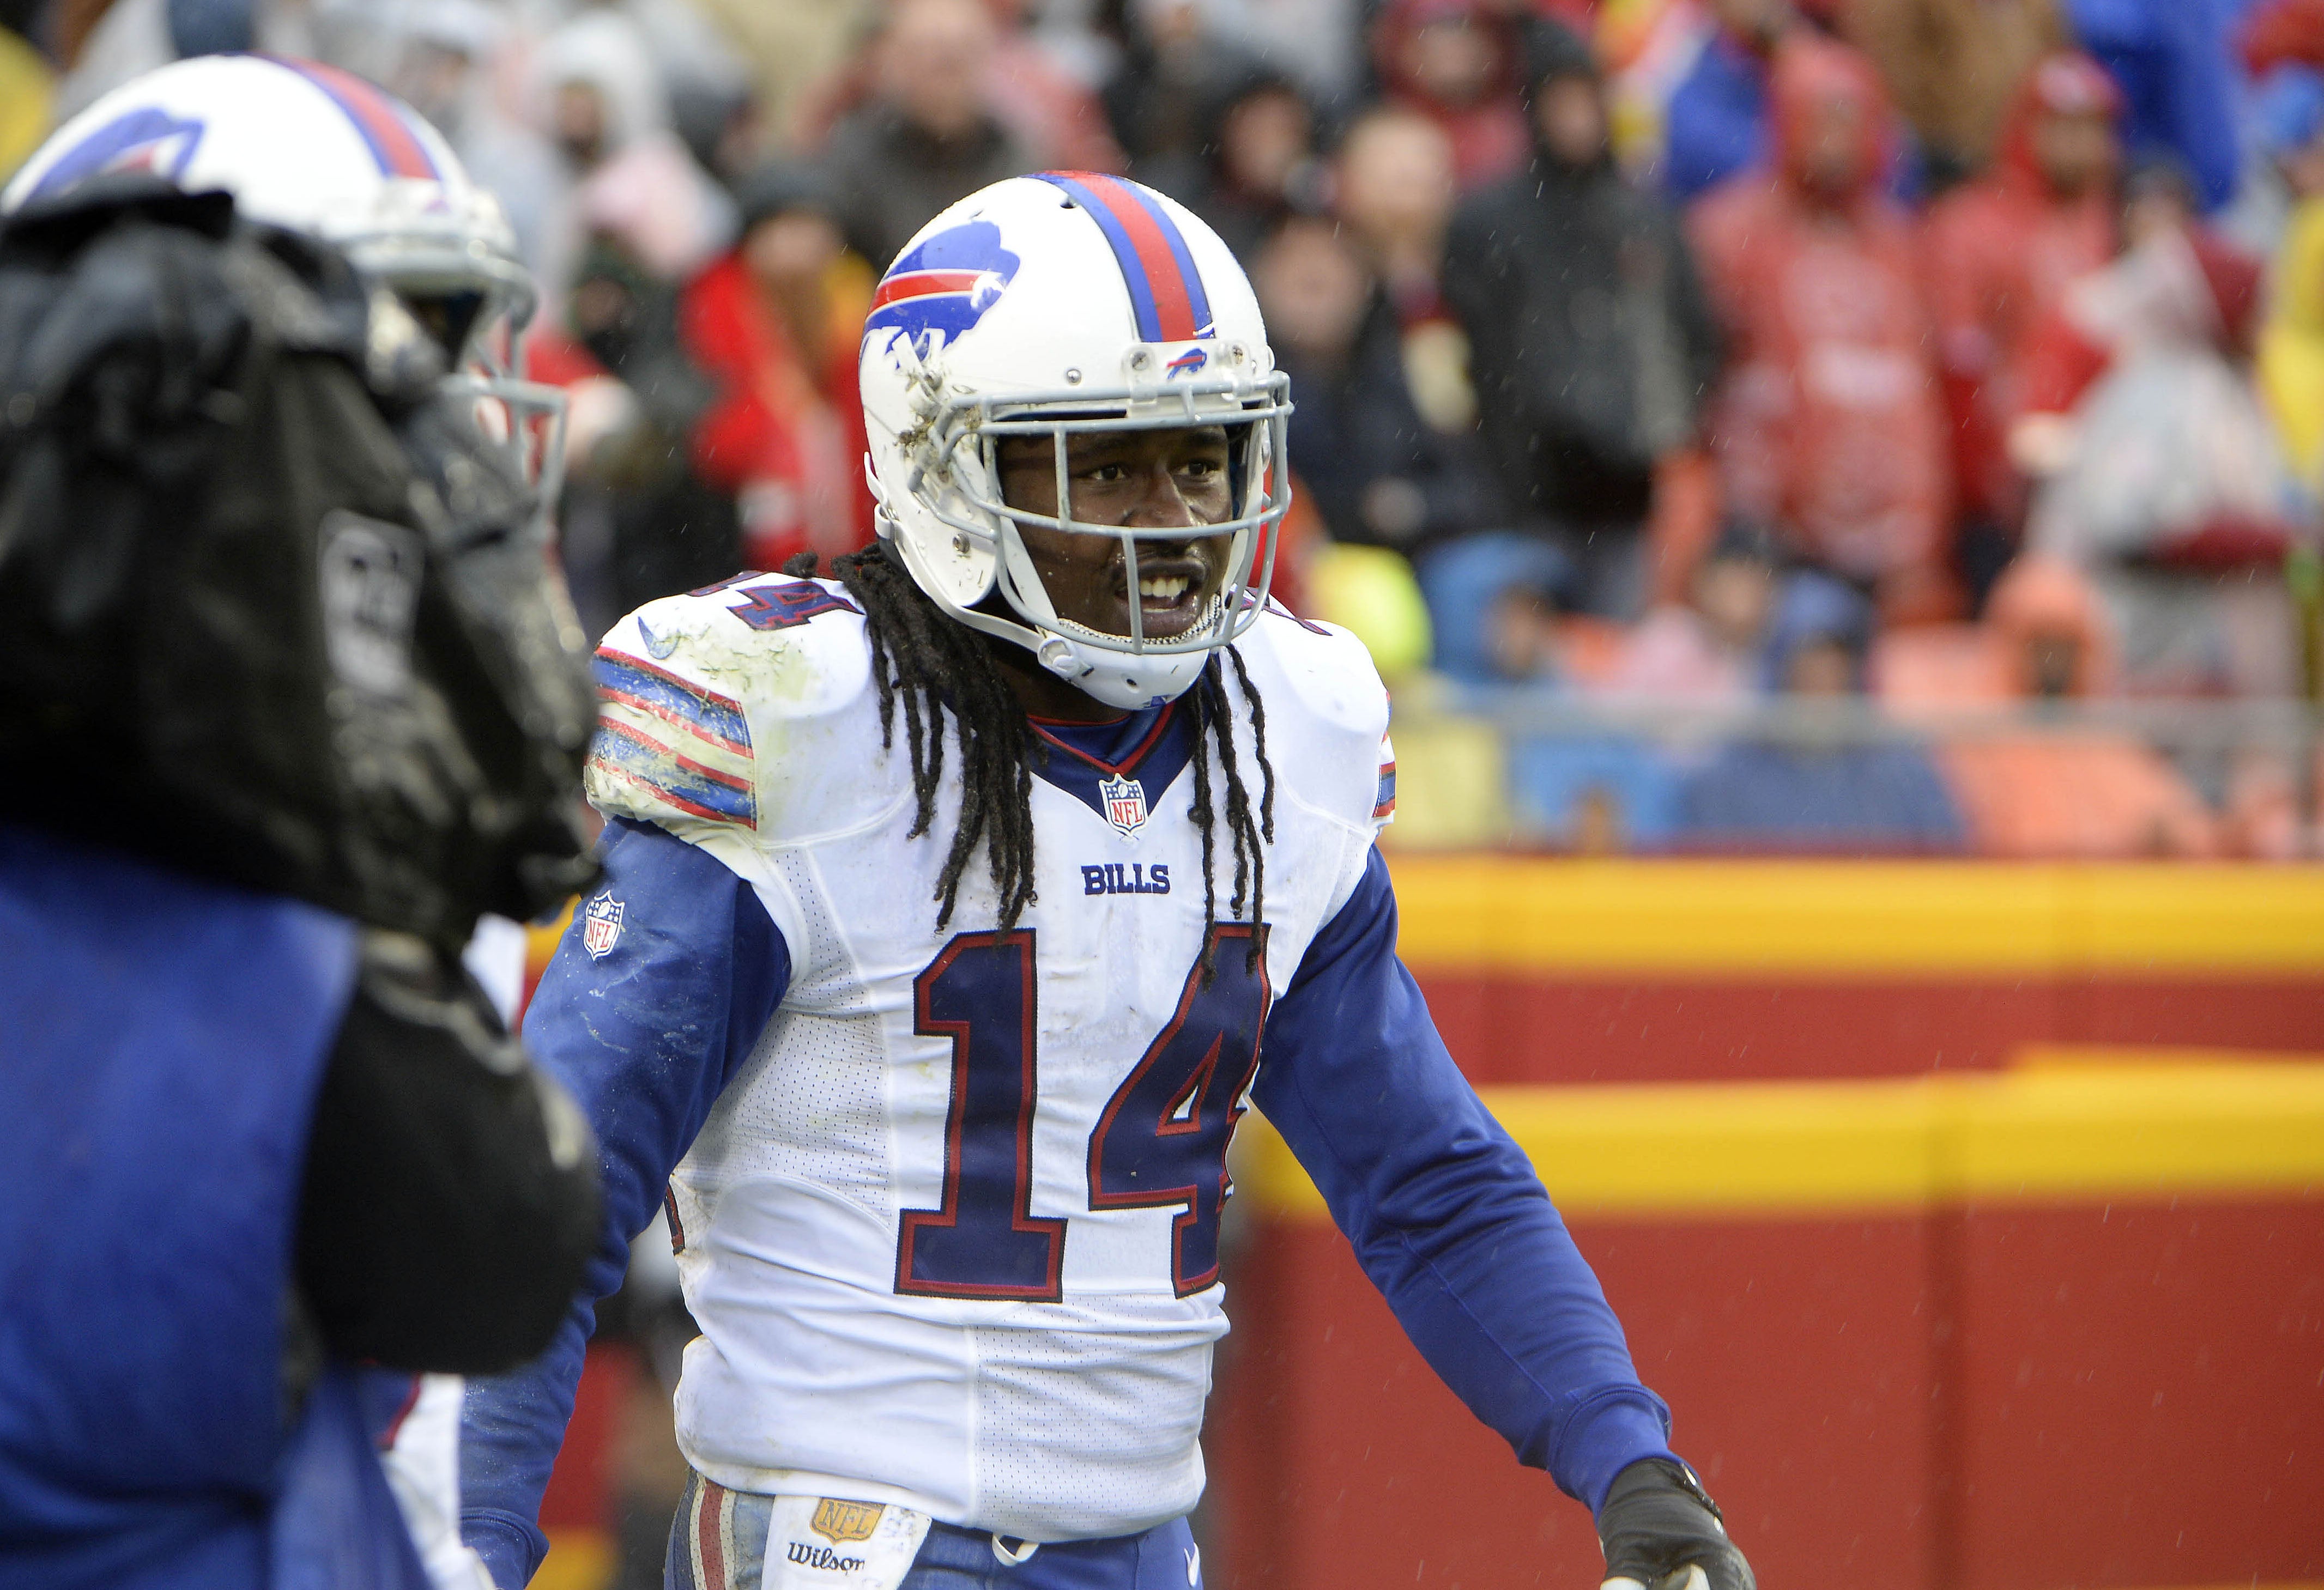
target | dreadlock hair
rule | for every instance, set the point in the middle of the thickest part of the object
(934, 666)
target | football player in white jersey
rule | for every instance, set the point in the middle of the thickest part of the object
(956, 907)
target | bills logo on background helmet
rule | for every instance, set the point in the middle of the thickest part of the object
(146, 139)
(945, 285)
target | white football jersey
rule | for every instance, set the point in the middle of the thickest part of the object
(951, 1234)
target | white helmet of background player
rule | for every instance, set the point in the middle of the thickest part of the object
(1046, 306)
(314, 150)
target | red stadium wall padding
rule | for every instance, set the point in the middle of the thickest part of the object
(2140, 1395)
(1565, 1028)
(1795, 1352)
(2002, 1399)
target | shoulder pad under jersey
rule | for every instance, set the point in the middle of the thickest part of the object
(1327, 715)
(727, 712)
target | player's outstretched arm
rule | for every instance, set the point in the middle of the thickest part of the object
(1446, 1213)
(643, 1023)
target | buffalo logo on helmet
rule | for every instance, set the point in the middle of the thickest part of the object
(942, 286)
(147, 139)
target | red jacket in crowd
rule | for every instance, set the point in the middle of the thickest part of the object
(1830, 425)
(784, 436)
(2000, 253)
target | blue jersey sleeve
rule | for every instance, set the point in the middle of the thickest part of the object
(644, 1022)
(1446, 1214)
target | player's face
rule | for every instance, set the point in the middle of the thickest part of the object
(1160, 479)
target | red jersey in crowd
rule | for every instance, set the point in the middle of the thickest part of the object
(786, 436)
(1830, 425)
(2000, 253)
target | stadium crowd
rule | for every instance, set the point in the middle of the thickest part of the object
(1950, 355)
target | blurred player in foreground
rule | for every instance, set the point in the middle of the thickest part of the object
(952, 903)
(291, 700)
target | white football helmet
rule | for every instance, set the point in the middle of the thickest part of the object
(314, 150)
(1047, 305)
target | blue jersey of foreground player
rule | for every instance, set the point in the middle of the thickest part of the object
(164, 1041)
(947, 1201)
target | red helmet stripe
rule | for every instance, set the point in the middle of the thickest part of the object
(1150, 261)
(377, 117)
(915, 284)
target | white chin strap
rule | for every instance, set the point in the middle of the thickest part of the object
(1126, 680)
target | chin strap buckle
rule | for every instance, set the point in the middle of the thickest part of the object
(1057, 653)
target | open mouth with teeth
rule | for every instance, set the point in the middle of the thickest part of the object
(1173, 595)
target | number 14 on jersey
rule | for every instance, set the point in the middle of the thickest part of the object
(1160, 1141)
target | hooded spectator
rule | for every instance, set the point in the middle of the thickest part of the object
(1460, 63)
(927, 135)
(1379, 473)
(2032, 792)
(1830, 421)
(1835, 794)
(2000, 254)
(601, 101)
(777, 323)
(1590, 333)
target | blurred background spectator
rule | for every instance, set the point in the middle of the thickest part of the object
(1810, 793)
(1828, 422)
(777, 322)
(1458, 62)
(927, 131)
(2000, 252)
(1260, 141)
(1591, 340)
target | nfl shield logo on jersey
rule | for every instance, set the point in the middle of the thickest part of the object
(601, 926)
(1125, 804)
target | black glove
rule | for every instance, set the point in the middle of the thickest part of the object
(1658, 1524)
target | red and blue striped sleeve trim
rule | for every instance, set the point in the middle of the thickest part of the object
(381, 123)
(680, 702)
(1166, 290)
(635, 756)
(1384, 803)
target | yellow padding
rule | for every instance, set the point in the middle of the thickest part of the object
(577, 1560)
(2049, 1136)
(1505, 915)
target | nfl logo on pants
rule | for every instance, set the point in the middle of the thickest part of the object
(1125, 804)
(601, 926)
